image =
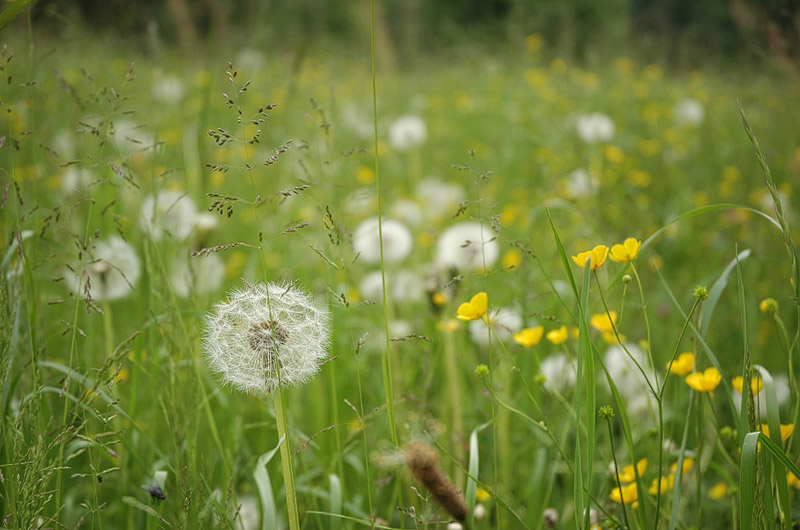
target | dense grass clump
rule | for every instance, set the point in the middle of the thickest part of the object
(542, 296)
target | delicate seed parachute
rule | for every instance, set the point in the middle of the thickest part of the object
(266, 336)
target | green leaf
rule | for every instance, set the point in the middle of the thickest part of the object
(474, 468)
(747, 480)
(261, 475)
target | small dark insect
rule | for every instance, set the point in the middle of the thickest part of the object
(100, 479)
(155, 491)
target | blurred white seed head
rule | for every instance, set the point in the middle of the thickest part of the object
(397, 240)
(467, 246)
(167, 88)
(594, 128)
(266, 336)
(404, 285)
(440, 198)
(504, 321)
(559, 373)
(407, 132)
(581, 183)
(479, 513)
(110, 272)
(688, 112)
(131, 138)
(199, 275)
(168, 212)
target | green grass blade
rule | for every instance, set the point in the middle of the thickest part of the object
(269, 520)
(774, 422)
(565, 262)
(716, 290)
(336, 500)
(747, 480)
(474, 468)
(581, 394)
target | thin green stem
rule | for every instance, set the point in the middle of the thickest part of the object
(286, 459)
(616, 472)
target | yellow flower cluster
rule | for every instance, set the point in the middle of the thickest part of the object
(621, 253)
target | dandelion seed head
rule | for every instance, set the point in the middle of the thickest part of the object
(112, 271)
(503, 321)
(688, 112)
(168, 211)
(407, 132)
(266, 336)
(397, 240)
(559, 373)
(439, 198)
(467, 246)
(199, 275)
(595, 128)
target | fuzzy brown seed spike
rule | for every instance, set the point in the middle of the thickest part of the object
(423, 462)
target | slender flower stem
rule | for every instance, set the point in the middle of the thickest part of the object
(286, 460)
(616, 472)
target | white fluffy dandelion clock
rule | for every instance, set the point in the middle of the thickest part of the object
(467, 246)
(266, 336)
(168, 212)
(111, 272)
(397, 240)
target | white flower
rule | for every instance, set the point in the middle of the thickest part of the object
(397, 240)
(439, 198)
(407, 132)
(111, 271)
(404, 285)
(167, 88)
(581, 183)
(559, 373)
(467, 246)
(201, 274)
(169, 211)
(688, 112)
(266, 336)
(594, 128)
(504, 321)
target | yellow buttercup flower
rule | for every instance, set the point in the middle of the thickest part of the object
(683, 365)
(756, 384)
(529, 336)
(704, 381)
(629, 475)
(719, 491)
(598, 257)
(604, 322)
(786, 430)
(625, 494)
(793, 481)
(557, 336)
(688, 464)
(627, 251)
(663, 483)
(481, 495)
(474, 309)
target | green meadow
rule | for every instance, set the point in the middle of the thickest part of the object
(578, 309)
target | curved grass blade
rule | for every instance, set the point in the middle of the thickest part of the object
(261, 476)
(716, 290)
(336, 500)
(474, 468)
(747, 480)
(774, 422)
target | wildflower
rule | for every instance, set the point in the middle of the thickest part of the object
(168, 212)
(756, 384)
(688, 464)
(529, 336)
(786, 430)
(397, 240)
(404, 285)
(598, 257)
(439, 298)
(266, 336)
(111, 272)
(768, 305)
(559, 373)
(662, 483)
(718, 491)
(200, 275)
(704, 381)
(606, 412)
(628, 377)
(793, 481)
(614, 154)
(624, 494)
(407, 132)
(167, 88)
(447, 326)
(595, 127)
(467, 246)
(480, 512)
(481, 495)
(628, 474)
(627, 251)
(683, 365)
(474, 309)
(604, 322)
(688, 112)
(557, 336)
(502, 320)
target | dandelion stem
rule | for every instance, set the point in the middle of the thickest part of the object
(286, 459)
